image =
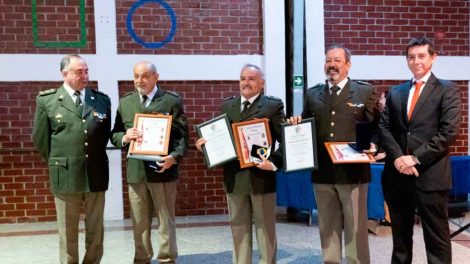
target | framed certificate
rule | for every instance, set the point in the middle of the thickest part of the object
(155, 135)
(300, 146)
(219, 147)
(342, 152)
(252, 137)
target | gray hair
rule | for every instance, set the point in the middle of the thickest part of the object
(347, 52)
(65, 62)
(258, 69)
(149, 65)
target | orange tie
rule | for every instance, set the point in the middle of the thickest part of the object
(418, 85)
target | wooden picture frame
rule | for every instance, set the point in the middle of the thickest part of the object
(342, 152)
(155, 130)
(249, 133)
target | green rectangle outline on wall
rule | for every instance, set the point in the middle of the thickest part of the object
(59, 44)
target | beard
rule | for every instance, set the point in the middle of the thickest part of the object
(332, 73)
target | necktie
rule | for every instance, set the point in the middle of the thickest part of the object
(246, 104)
(78, 102)
(418, 85)
(144, 100)
(334, 90)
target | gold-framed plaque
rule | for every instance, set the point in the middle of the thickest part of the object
(252, 138)
(342, 152)
(154, 136)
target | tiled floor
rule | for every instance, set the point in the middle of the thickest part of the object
(203, 239)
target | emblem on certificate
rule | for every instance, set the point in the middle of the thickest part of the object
(154, 136)
(342, 152)
(300, 146)
(219, 147)
(252, 140)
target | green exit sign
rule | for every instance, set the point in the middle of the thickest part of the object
(298, 81)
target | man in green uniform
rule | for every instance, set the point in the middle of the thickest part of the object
(71, 130)
(251, 192)
(152, 190)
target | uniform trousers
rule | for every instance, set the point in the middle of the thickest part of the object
(68, 216)
(145, 200)
(242, 209)
(343, 206)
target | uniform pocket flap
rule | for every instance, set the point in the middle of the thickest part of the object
(58, 161)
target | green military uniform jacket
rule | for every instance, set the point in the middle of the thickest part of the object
(253, 180)
(335, 121)
(163, 102)
(73, 143)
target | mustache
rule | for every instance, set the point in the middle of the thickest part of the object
(332, 68)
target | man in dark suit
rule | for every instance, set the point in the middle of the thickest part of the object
(419, 123)
(71, 129)
(152, 190)
(251, 191)
(340, 189)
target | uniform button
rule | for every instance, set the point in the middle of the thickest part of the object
(409, 133)
(56, 163)
(332, 123)
(333, 112)
(332, 135)
(83, 120)
(86, 156)
(86, 131)
(86, 144)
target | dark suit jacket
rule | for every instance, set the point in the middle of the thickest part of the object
(73, 143)
(432, 129)
(261, 181)
(164, 102)
(336, 122)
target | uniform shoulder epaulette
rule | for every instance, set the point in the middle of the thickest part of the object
(127, 94)
(273, 98)
(99, 92)
(172, 93)
(230, 97)
(47, 92)
(317, 85)
(362, 82)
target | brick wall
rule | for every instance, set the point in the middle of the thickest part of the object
(203, 27)
(368, 27)
(58, 21)
(384, 27)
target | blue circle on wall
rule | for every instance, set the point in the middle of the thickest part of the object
(152, 45)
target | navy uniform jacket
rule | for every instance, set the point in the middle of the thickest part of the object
(336, 122)
(164, 102)
(73, 143)
(254, 180)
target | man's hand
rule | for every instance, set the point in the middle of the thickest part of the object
(165, 163)
(199, 143)
(131, 134)
(265, 164)
(294, 120)
(406, 165)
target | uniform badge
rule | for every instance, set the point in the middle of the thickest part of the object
(355, 105)
(58, 116)
(100, 116)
